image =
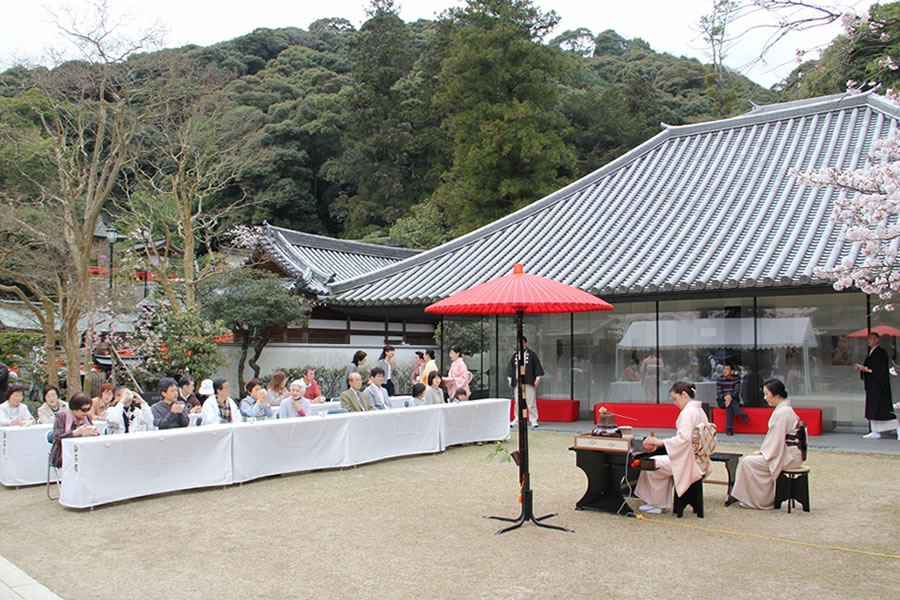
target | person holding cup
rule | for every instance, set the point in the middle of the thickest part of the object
(169, 413)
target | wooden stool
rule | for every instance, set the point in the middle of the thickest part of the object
(692, 496)
(791, 485)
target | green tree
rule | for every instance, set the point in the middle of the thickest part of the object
(499, 87)
(252, 303)
(177, 342)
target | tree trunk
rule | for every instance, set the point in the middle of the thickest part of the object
(50, 351)
(245, 346)
(258, 348)
(188, 258)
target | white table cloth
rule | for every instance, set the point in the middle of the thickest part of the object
(23, 455)
(475, 421)
(289, 445)
(109, 468)
(378, 434)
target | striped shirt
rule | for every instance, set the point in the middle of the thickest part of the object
(731, 386)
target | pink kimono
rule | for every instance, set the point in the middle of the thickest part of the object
(678, 468)
(755, 483)
(458, 377)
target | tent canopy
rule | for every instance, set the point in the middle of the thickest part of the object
(789, 332)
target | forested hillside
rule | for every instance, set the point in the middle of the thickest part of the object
(413, 132)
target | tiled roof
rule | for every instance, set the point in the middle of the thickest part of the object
(314, 260)
(708, 205)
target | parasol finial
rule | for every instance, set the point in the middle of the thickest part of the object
(517, 269)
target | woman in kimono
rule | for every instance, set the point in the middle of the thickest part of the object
(459, 376)
(678, 468)
(755, 484)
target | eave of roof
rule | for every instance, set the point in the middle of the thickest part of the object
(663, 184)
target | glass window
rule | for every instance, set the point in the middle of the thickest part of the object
(805, 341)
(697, 338)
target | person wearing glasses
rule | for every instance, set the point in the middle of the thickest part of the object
(74, 421)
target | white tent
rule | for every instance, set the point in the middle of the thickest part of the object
(789, 332)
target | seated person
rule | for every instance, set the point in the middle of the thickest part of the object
(220, 408)
(378, 395)
(186, 394)
(256, 404)
(295, 405)
(14, 411)
(169, 413)
(353, 400)
(312, 393)
(277, 389)
(632, 372)
(52, 405)
(128, 413)
(74, 421)
(433, 393)
(460, 396)
(418, 394)
(754, 486)
(102, 402)
(678, 467)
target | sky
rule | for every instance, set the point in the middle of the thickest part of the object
(27, 30)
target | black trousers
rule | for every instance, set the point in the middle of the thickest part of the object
(389, 386)
(731, 412)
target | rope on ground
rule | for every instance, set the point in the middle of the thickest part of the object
(766, 537)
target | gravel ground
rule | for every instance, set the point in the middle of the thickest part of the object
(414, 528)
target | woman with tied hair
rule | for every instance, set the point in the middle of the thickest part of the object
(359, 357)
(459, 376)
(678, 468)
(387, 364)
(754, 486)
(74, 421)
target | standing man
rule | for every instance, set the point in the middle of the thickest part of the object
(353, 400)
(532, 379)
(877, 381)
(728, 396)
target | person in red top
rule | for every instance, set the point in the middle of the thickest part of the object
(312, 393)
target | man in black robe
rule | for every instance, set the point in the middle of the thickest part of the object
(877, 380)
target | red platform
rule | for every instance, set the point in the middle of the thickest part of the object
(759, 420)
(552, 410)
(640, 415)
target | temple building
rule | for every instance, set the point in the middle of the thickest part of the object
(700, 237)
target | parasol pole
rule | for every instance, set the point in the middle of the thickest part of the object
(526, 498)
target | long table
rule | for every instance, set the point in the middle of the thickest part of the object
(23, 455)
(107, 469)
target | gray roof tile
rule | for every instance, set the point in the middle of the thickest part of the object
(708, 205)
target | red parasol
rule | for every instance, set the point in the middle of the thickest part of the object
(520, 293)
(879, 329)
